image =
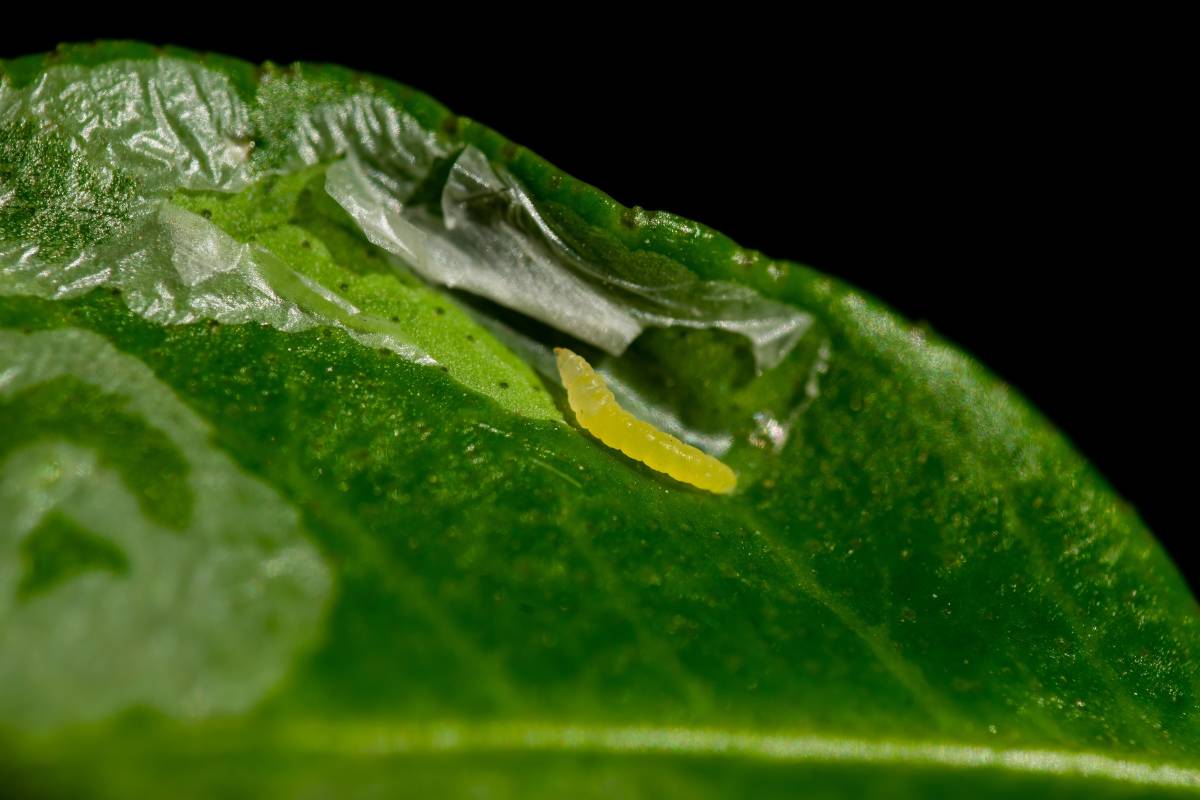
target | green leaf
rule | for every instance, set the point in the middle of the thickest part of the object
(282, 513)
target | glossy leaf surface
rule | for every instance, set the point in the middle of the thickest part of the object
(279, 517)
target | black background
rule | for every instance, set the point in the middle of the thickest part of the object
(1020, 186)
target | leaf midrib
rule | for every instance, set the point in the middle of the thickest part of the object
(382, 739)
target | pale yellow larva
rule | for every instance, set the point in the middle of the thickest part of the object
(600, 414)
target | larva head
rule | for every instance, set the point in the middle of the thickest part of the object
(571, 366)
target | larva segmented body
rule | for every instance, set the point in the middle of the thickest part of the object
(600, 414)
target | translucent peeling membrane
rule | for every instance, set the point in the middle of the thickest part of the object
(161, 125)
(492, 241)
(168, 125)
(177, 268)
